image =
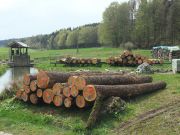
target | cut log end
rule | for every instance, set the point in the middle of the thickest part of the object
(80, 83)
(80, 101)
(33, 98)
(74, 91)
(26, 89)
(39, 93)
(26, 79)
(42, 79)
(48, 96)
(71, 80)
(89, 93)
(58, 100)
(24, 96)
(33, 85)
(57, 88)
(19, 93)
(67, 92)
(68, 102)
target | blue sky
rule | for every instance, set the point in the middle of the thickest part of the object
(23, 18)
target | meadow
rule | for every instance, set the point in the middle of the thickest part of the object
(20, 118)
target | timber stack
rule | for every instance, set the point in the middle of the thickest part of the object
(127, 58)
(73, 61)
(83, 89)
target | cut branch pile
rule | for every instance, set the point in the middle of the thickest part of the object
(129, 59)
(83, 89)
(73, 61)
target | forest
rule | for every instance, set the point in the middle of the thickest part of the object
(156, 22)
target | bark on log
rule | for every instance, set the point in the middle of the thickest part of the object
(33, 85)
(81, 81)
(48, 79)
(48, 96)
(95, 112)
(58, 100)
(123, 91)
(33, 98)
(28, 78)
(39, 93)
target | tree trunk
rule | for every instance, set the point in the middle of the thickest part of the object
(28, 78)
(68, 102)
(25, 97)
(58, 100)
(80, 101)
(26, 89)
(39, 93)
(81, 81)
(95, 112)
(57, 88)
(48, 79)
(74, 91)
(48, 96)
(33, 85)
(33, 98)
(123, 91)
(67, 91)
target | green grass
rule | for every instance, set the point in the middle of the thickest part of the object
(20, 118)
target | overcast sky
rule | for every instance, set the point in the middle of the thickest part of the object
(23, 18)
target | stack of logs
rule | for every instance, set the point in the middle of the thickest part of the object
(73, 61)
(84, 89)
(129, 59)
(174, 55)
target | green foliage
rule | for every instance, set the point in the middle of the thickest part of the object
(129, 46)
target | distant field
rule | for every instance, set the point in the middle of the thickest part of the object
(83, 53)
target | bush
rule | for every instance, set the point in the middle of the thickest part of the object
(129, 46)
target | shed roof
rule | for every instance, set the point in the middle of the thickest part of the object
(18, 45)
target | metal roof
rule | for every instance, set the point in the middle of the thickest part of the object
(16, 44)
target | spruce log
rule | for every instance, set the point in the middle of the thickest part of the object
(95, 112)
(68, 102)
(123, 91)
(80, 101)
(28, 78)
(26, 89)
(48, 79)
(33, 98)
(82, 81)
(58, 100)
(39, 93)
(67, 91)
(74, 91)
(71, 80)
(33, 85)
(24, 96)
(57, 88)
(19, 93)
(48, 96)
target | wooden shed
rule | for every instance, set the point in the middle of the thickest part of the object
(18, 55)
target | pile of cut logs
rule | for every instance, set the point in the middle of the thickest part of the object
(129, 59)
(80, 61)
(83, 89)
(174, 55)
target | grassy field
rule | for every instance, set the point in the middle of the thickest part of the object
(20, 118)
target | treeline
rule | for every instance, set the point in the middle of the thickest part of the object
(84, 36)
(156, 22)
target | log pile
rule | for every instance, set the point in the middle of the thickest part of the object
(84, 89)
(73, 61)
(174, 55)
(129, 59)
